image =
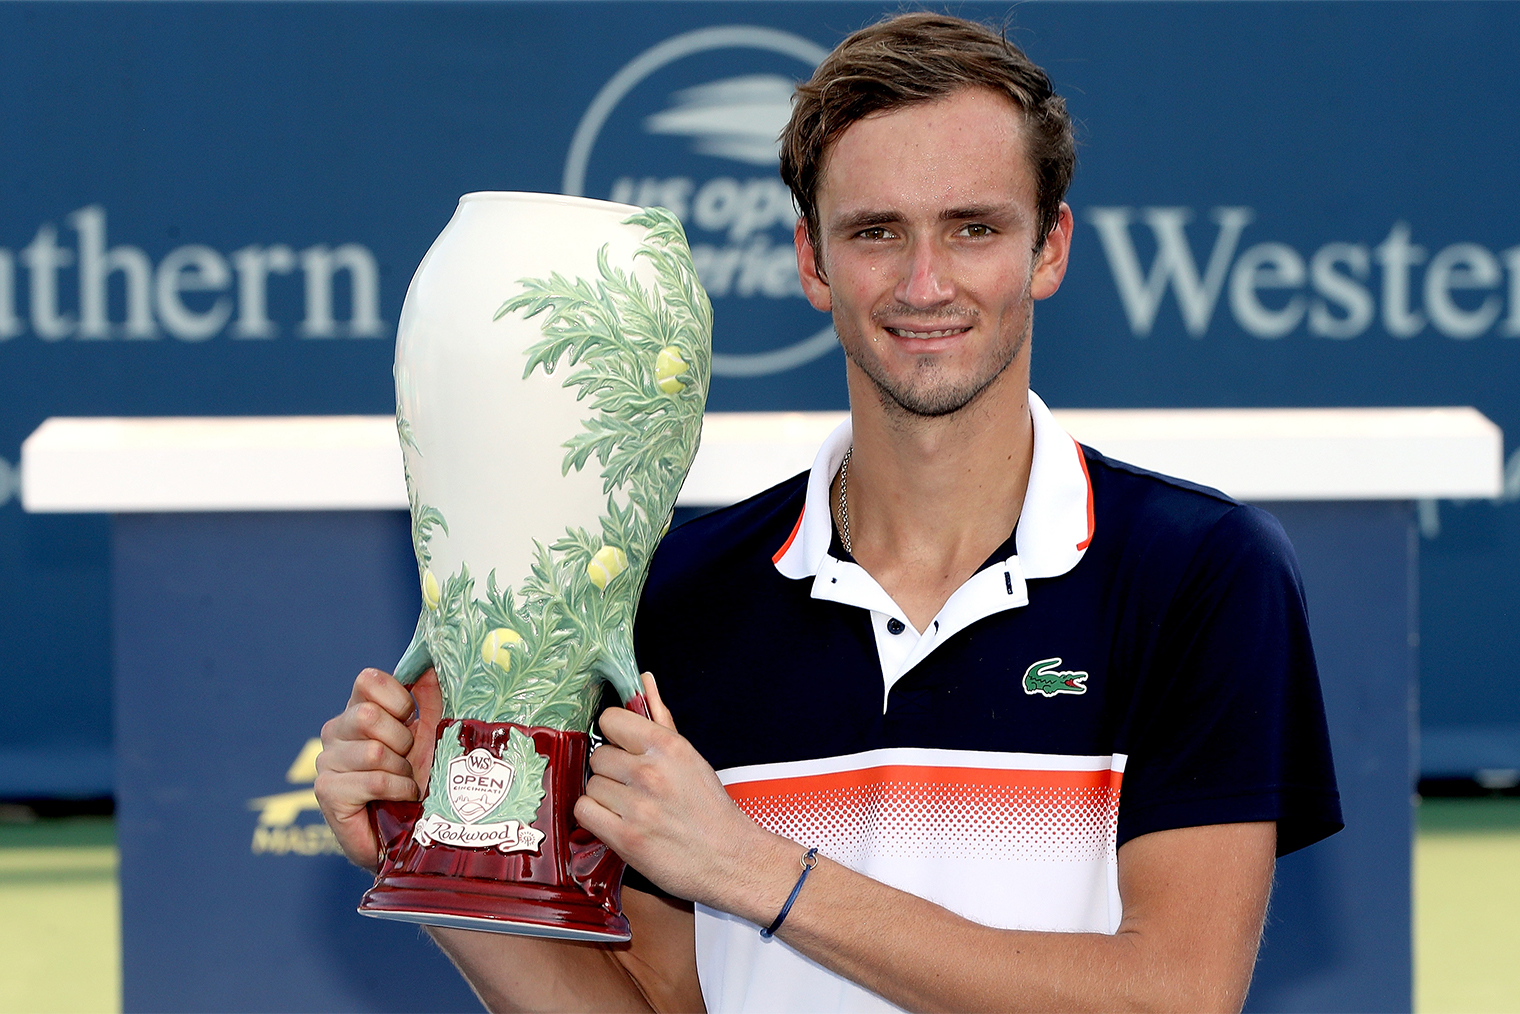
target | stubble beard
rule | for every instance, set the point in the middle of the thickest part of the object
(928, 394)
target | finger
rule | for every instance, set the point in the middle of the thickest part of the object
(657, 709)
(611, 794)
(612, 762)
(355, 835)
(362, 755)
(348, 792)
(385, 690)
(368, 721)
(599, 820)
(630, 730)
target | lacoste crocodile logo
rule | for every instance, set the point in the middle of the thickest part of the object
(1044, 679)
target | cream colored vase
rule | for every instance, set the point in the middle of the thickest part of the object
(551, 371)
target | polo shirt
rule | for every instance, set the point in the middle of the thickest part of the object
(1134, 657)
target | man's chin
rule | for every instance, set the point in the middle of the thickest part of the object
(931, 402)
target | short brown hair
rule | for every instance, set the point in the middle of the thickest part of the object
(921, 57)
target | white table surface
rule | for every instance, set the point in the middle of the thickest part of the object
(116, 465)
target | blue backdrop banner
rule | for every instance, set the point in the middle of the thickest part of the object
(215, 209)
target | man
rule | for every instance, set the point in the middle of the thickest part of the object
(942, 655)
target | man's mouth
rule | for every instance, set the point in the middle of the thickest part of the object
(903, 332)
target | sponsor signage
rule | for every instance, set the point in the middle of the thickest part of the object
(290, 822)
(1272, 290)
(194, 293)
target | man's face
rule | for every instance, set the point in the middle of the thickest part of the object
(928, 227)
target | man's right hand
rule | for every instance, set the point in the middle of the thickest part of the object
(380, 747)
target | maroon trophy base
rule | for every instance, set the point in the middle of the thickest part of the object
(569, 888)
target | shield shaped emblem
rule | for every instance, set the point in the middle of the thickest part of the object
(477, 783)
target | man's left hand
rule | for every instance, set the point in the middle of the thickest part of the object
(660, 806)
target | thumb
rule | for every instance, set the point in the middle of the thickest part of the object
(657, 709)
(429, 698)
(424, 724)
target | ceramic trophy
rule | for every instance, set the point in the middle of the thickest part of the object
(551, 371)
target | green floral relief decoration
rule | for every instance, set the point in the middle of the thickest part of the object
(640, 357)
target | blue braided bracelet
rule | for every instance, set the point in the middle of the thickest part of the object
(809, 860)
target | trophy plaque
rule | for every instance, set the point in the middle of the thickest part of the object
(551, 370)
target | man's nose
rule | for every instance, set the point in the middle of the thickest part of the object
(926, 280)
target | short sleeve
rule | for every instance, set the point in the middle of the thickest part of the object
(1228, 723)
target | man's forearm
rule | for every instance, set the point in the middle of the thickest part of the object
(1187, 942)
(514, 973)
(952, 964)
(654, 971)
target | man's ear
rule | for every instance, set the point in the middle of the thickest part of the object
(1050, 265)
(814, 285)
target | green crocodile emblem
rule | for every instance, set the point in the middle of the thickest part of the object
(1044, 679)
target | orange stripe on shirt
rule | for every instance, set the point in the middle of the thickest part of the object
(1091, 517)
(790, 538)
(924, 775)
(920, 812)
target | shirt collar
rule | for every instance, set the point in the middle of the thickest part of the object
(1055, 526)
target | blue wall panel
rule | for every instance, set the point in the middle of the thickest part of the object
(237, 636)
(1338, 933)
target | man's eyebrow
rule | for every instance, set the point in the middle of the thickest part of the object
(975, 211)
(866, 220)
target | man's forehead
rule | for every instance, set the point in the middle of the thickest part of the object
(966, 148)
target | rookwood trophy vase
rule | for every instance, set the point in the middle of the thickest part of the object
(551, 370)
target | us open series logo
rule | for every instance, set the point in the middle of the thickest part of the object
(691, 125)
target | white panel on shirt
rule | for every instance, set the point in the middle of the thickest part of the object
(1015, 841)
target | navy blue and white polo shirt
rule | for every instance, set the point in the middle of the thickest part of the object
(1135, 657)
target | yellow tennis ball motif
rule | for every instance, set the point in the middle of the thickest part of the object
(430, 593)
(669, 365)
(497, 646)
(607, 564)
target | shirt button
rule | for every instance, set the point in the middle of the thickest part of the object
(894, 626)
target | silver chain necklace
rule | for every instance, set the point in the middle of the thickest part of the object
(844, 500)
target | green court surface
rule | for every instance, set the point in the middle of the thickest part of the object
(1467, 906)
(60, 950)
(58, 917)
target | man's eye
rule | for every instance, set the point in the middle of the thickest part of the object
(875, 232)
(977, 229)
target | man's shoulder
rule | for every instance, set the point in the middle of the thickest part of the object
(731, 540)
(1153, 509)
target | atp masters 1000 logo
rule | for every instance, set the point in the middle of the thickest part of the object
(691, 125)
(286, 825)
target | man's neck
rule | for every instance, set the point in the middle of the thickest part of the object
(931, 498)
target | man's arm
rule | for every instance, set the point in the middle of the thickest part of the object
(655, 971)
(1193, 906)
(1194, 899)
(381, 747)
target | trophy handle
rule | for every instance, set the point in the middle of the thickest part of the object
(417, 659)
(639, 705)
